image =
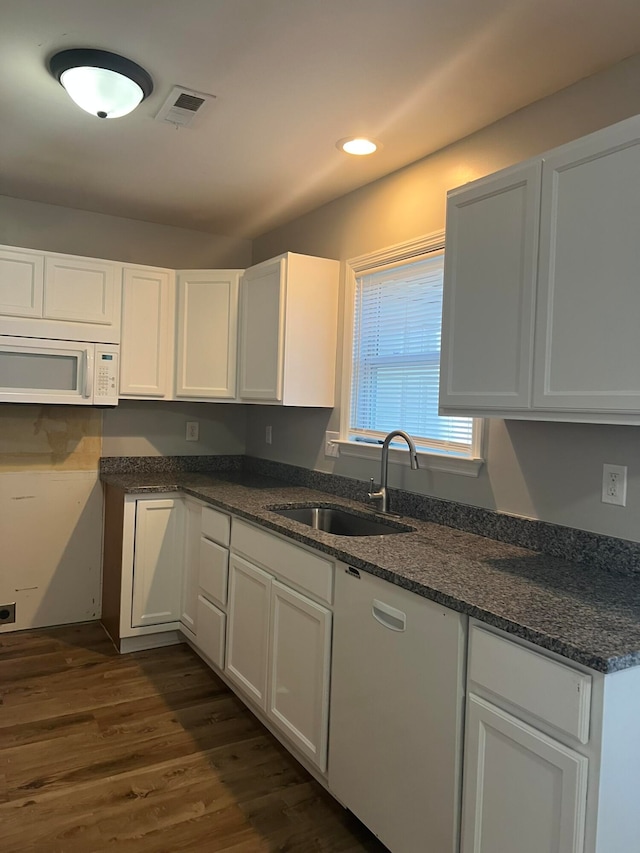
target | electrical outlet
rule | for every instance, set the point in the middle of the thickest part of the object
(193, 431)
(268, 435)
(330, 446)
(614, 484)
(7, 613)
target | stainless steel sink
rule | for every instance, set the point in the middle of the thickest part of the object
(341, 522)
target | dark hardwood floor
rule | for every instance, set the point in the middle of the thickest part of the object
(145, 753)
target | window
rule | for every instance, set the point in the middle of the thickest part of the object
(395, 367)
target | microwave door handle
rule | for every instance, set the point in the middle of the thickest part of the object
(88, 373)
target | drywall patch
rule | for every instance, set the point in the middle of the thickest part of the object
(43, 438)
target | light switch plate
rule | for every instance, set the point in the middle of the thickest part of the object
(330, 446)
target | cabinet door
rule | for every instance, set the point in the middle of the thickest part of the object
(211, 629)
(214, 570)
(587, 341)
(262, 331)
(489, 293)
(523, 790)
(157, 565)
(299, 664)
(146, 352)
(81, 290)
(207, 334)
(248, 628)
(191, 565)
(21, 283)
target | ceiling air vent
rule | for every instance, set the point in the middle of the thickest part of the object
(182, 106)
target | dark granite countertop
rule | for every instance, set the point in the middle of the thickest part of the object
(583, 613)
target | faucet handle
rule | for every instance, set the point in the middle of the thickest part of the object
(372, 486)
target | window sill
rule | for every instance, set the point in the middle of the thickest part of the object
(466, 467)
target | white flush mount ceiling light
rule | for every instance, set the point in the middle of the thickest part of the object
(102, 83)
(358, 145)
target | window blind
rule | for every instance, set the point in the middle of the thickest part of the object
(396, 357)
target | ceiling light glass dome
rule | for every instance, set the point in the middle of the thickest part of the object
(104, 84)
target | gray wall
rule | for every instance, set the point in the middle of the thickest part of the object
(547, 471)
(54, 228)
(142, 428)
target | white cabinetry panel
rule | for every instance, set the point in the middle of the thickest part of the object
(207, 334)
(588, 346)
(214, 569)
(299, 671)
(489, 292)
(523, 790)
(288, 331)
(536, 685)
(211, 630)
(157, 576)
(191, 565)
(146, 355)
(21, 283)
(248, 635)
(262, 332)
(81, 290)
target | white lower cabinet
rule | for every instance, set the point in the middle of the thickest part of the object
(191, 565)
(279, 638)
(205, 580)
(298, 678)
(551, 754)
(523, 791)
(157, 565)
(210, 638)
(248, 634)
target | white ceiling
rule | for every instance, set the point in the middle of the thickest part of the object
(291, 78)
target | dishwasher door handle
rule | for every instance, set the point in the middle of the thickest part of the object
(389, 616)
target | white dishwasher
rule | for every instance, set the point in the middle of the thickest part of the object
(397, 691)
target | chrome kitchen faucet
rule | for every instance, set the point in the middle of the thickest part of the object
(381, 496)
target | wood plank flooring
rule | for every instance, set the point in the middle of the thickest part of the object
(145, 753)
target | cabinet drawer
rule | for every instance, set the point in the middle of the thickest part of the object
(215, 525)
(214, 570)
(306, 570)
(540, 686)
(211, 631)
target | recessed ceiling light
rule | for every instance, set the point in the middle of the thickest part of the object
(358, 145)
(102, 83)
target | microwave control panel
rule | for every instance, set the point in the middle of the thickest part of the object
(105, 391)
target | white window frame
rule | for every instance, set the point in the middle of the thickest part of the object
(468, 466)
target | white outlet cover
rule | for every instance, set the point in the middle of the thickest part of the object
(614, 484)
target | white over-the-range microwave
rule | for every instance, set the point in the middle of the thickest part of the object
(41, 370)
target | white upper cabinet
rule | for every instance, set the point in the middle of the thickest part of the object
(489, 292)
(66, 297)
(584, 294)
(587, 341)
(207, 334)
(288, 331)
(81, 290)
(21, 283)
(148, 321)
